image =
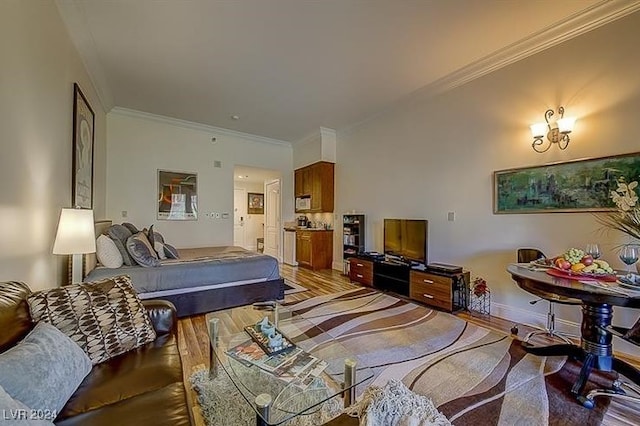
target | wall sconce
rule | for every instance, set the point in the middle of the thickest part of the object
(557, 131)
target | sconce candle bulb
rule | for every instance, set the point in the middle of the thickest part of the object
(556, 131)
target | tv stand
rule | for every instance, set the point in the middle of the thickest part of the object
(392, 275)
(446, 291)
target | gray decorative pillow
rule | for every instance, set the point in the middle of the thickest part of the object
(141, 251)
(105, 318)
(44, 369)
(157, 237)
(107, 252)
(12, 410)
(171, 252)
(119, 234)
(131, 227)
(150, 236)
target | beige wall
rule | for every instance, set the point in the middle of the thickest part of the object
(432, 156)
(140, 144)
(39, 67)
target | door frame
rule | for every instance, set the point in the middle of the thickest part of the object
(279, 219)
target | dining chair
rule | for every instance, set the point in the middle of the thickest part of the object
(526, 255)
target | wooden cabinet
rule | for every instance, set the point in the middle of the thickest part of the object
(447, 292)
(314, 249)
(361, 271)
(315, 181)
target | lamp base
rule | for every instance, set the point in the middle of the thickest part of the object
(76, 268)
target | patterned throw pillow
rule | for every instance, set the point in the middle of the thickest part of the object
(105, 318)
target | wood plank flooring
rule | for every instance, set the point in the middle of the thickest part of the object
(194, 341)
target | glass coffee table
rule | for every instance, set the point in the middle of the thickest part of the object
(318, 370)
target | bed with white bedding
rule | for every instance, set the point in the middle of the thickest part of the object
(204, 279)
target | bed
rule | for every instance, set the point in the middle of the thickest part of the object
(203, 279)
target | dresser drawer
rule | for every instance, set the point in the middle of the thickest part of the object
(361, 271)
(431, 289)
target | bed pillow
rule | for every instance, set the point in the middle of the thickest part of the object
(107, 252)
(131, 227)
(44, 369)
(142, 251)
(12, 409)
(159, 248)
(171, 252)
(105, 318)
(120, 234)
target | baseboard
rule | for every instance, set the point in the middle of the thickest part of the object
(337, 266)
(535, 319)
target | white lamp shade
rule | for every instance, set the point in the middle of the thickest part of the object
(565, 125)
(76, 232)
(538, 130)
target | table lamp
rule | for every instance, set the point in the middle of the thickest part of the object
(75, 236)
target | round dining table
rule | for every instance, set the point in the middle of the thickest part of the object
(596, 348)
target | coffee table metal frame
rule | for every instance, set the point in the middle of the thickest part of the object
(263, 402)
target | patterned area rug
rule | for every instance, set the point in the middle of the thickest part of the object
(472, 374)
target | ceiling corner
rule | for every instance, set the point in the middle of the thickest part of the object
(73, 16)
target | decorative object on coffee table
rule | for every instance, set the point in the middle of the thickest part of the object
(480, 297)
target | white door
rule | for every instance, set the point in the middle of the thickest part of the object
(272, 228)
(239, 216)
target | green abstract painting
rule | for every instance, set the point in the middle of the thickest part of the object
(579, 185)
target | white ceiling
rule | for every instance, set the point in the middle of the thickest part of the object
(287, 67)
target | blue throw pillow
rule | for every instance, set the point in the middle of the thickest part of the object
(44, 369)
(171, 252)
(142, 251)
(15, 411)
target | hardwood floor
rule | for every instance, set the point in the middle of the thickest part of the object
(194, 341)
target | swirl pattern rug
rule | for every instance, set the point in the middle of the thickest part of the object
(472, 374)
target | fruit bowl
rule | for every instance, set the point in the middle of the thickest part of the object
(584, 274)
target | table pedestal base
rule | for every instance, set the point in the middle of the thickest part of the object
(596, 350)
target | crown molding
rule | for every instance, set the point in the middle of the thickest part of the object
(595, 16)
(74, 18)
(218, 131)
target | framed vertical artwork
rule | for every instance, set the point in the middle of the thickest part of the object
(83, 136)
(582, 185)
(177, 195)
(255, 203)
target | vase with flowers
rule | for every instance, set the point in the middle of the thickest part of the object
(480, 298)
(626, 217)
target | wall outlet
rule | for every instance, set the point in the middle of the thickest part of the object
(225, 215)
(217, 215)
(125, 213)
(451, 216)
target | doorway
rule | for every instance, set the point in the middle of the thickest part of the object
(257, 229)
(239, 216)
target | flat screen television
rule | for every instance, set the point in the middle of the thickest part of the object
(406, 239)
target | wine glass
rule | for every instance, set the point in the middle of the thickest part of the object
(629, 256)
(594, 250)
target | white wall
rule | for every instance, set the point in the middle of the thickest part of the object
(431, 156)
(139, 144)
(254, 223)
(307, 152)
(39, 67)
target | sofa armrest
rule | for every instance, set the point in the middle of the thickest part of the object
(163, 315)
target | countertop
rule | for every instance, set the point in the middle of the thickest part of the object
(298, 228)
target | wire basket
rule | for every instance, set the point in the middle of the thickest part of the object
(480, 297)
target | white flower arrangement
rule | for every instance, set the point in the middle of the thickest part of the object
(627, 218)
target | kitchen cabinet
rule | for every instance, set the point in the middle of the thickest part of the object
(316, 182)
(314, 248)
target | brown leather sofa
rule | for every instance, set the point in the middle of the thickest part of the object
(141, 387)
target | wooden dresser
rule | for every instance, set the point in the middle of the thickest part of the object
(446, 292)
(361, 271)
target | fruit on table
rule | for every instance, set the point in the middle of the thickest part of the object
(577, 260)
(578, 267)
